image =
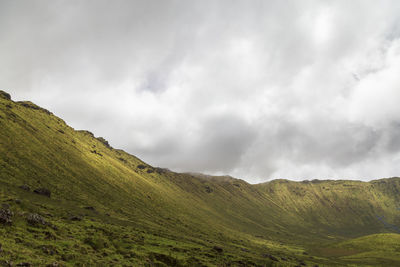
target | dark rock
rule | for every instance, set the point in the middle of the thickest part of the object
(6, 216)
(245, 250)
(123, 160)
(140, 166)
(89, 208)
(97, 153)
(35, 219)
(5, 95)
(208, 189)
(25, 187)
(29, 104)
(24, 264)
(18, 201)
(85, 132)
(218, 249)
(271, 257)
(104, 142)
(43, 191)
(76, 218)
(150, 170)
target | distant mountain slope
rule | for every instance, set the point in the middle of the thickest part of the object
(110, 207)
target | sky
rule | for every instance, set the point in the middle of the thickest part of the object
(258, 90)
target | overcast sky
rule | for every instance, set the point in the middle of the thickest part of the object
(254, 89)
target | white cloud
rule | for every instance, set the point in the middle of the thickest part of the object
(259, 90)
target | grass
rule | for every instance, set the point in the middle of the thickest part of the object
(143, 215)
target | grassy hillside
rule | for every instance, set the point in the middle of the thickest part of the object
(108, 207)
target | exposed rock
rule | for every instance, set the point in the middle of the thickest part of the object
(97, 153)
(24, 264)
(218, 249)
(6, 216)
(85, 132)
(35, 219)
(150, 170)
(123, 160)
(270, 257)
(5, 95)
(29, 104)
(25, 187)
(43, 191)
(141, 166)
(89, 208)
(75, 218)
(208, 189)
(104, 142)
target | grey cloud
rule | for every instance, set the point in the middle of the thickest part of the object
(260, 89)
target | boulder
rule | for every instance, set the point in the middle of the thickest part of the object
(218, 249)
(35, 219)
(273, 258)
(75, 218)
(208, 189)
(43, 191)
(6, 216)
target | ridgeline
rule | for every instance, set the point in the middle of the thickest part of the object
(69, 198)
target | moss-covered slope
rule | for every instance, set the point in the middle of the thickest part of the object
(108, 207)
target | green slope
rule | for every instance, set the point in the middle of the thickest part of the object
(145, 215)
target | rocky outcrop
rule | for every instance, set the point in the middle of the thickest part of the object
(6, 216)
(42, 191)
(5, 95)
(35, 219)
